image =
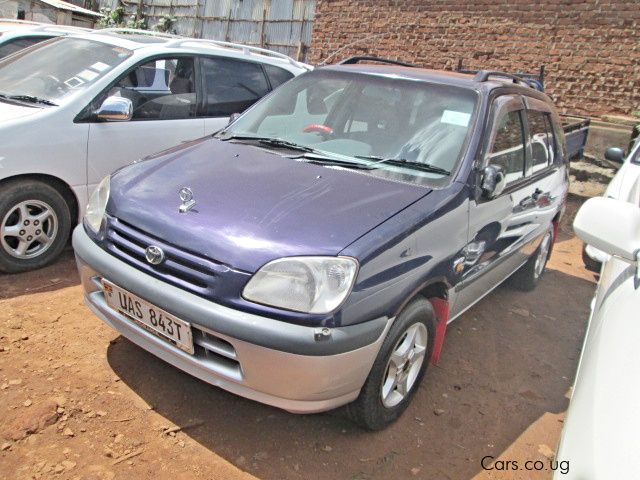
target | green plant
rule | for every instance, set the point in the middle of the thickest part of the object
(165, 24)
(111, 17)
(138, 23)
(115, 18)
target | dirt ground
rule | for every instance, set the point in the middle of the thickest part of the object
(102, 408)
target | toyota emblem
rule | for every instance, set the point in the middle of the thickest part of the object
(154, 255)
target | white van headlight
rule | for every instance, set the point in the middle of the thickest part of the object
(304, 284)
(98, 204)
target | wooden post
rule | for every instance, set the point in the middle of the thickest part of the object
(264, 19)
(226, 33)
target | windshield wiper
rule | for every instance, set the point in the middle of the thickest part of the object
(278, 142)
(403, 162)
(270, 141)
(310, 154)
(320, 159)
(29, 99)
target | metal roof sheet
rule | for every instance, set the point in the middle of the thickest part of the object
(59, 4)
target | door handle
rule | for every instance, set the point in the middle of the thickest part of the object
(528, 202)
(473, 251)
(536, 194)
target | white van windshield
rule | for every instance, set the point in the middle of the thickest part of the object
(50, 72)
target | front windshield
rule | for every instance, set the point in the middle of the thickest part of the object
(396, 122)
(56, 69)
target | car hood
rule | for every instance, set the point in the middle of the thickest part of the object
(10, 111)
(253, 205)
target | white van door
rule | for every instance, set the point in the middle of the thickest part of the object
(163, 93)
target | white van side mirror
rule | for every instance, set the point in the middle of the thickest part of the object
(610, 225)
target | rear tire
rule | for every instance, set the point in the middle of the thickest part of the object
(398, 368)
(35, 222)
(526, 278)
(589, 263)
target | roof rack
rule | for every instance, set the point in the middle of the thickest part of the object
(533, 80)
(59, 28)
(137, 31)
(484, 75)
(361, 58)
(15, 20)
(246, 49)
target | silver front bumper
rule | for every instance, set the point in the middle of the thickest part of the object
(292, 381)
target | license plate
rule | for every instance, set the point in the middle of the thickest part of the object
(152, 318)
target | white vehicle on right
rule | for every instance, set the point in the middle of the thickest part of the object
(600, 437)
(624, 186)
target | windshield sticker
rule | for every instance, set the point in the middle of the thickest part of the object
(99, 66)
(455, 118)
(88, 75)
(73, 82)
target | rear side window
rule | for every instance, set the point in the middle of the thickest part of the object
(508, 150)
(12, 46)
(277, 76)
(553, 140)
(231, 86)
(541, 140)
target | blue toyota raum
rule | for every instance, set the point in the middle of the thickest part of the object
(311, 254)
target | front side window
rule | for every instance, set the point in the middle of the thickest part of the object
(58, 69)
(363, 118)
(16, 44)
(161, 89)
(508, 150)
(231, 85)
(541, 140)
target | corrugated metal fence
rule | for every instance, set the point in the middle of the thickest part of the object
(281, 25)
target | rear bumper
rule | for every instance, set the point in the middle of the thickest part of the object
(256, 357)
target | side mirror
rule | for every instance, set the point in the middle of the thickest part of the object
(493, 181)
(614, 154)
(115, 109)
(610, 225)
(233, 118)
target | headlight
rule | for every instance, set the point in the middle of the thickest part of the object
(304, 284)
(97, 204)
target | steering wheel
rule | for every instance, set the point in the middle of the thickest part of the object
(317, 127)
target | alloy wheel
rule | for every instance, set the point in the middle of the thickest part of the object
(404, 365)
(543, 253)
(28, 229)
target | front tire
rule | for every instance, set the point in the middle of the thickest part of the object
(398, 368)
(35, 222)
(528, 276)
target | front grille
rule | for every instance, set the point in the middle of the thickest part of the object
(180, 268)
(216, 350)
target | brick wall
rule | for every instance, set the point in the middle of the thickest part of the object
(590, 48)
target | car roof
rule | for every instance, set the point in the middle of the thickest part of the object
(139, 40)
(9, 24)
(136, 38)
(446, 77)
(38, 29)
